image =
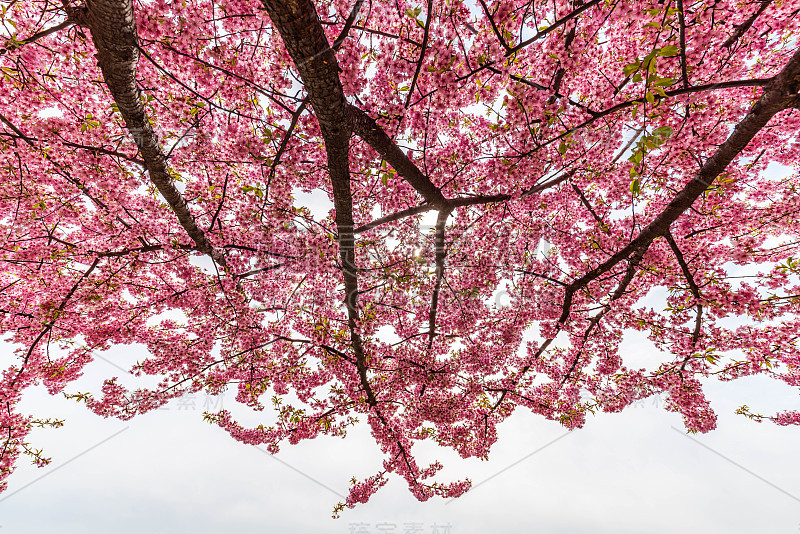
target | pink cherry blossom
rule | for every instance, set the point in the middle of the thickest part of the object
(578, 157)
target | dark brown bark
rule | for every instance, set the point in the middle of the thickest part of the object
(367, 129)
(440, 255)
(687, 274)
(302, 34)
(422, 51)
(113, 29)
(298, 24)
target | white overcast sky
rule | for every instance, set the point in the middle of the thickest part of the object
(170, 472)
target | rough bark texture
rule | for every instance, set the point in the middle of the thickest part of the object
(302, 34)
(113, 29)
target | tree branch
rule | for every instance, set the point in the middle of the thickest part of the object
(113, 29)
(75, 15)
(421, 53)
(742, 28)
(495, 29)
(682, 33)
(440, 254)
(555, 25)
(304, 38)
(366, 128)
(347, 25)
(394, 217)
(687, 274)
(779, 93)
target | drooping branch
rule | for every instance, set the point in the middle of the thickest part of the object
(687, 274)
(113, 29)
(440, 254)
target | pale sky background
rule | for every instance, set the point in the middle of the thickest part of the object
(170, 472)
(632, 472)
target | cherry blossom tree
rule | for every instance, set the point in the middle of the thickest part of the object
(585, 159)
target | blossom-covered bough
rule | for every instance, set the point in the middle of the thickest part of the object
(581, 158)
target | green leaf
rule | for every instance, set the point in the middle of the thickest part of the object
(635, 187)
(562, 148)
(663, 131)
(629, 69)
(664, 82)
(669, 50)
